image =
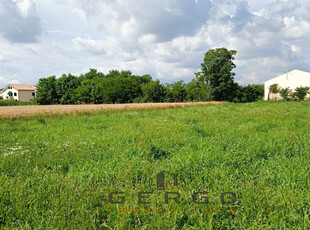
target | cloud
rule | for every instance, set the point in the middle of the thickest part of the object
(166, 39)
(5, 81)
(3, 59)
(2, 82)
(174, 35)
(19, 21)
(90, 46)
(295, 49)
(252, 77)
(165, 19)
(14, 82)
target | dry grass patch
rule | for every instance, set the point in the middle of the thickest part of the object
(15, 112)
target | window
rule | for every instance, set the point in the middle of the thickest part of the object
(15, 94)
(33, 94)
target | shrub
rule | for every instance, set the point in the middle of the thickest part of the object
(13, 102)
(274, 88)
(253, 92)
(286, 94)
(300, 93)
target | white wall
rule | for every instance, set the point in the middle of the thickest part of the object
(292, 79)
(13, 90)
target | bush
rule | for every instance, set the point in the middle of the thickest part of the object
(300, 93)
(253, 92)
(139, 100)
(286, 94)
(249, 93)
(274, 88)
(13, 102)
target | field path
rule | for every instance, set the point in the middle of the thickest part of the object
(14, 112)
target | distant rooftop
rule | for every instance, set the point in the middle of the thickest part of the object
(23, 87)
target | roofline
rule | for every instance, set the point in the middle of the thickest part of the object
(18, 89)
(287, 72)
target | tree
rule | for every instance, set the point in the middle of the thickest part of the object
(176, 92)
(66, 88)
(145, 79)
(216, 73)
(83, 92)
(97, 94)
(46, 91)
(198, 91)
(153, 91)
(253, 92)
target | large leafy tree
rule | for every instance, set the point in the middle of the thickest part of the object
(46, 91)
(216, 73)
(198, 91)
(66, 88)
(154, 91)
(176, 92)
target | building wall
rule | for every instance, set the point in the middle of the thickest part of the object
(6, 96)
(19, 95)
(25, 95)
(293, 79)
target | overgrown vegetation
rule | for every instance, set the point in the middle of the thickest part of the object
(123, 87)
(58, 172)
(214, 82)
(286, 93)
(299, 94)
(274, 88)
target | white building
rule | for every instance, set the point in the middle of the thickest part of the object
(292, 80)
(19, 92)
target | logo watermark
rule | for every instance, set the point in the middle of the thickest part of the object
(201, 198)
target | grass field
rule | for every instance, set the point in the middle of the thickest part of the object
(60, 172)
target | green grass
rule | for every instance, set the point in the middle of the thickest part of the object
(13, 102)
(58, 172)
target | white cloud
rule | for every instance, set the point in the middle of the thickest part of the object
(5, 81)
(295, 48)
(252, 78)
(19, 21)
(90, 46)
(14, 82)
(2, 81)
(167, 39)
(26, 7)
(296, 28)
(3, 59)
(167, 19)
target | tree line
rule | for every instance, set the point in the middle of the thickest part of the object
(215, 81)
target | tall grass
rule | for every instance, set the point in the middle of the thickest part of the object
(16, 112)
(57, 172)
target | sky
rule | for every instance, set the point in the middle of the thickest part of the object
(167, 38)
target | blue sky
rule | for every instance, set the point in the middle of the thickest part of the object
(167, 39)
